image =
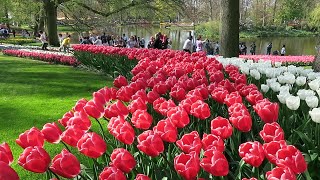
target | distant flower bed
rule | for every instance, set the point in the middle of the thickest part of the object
(17, 41)
(51, 57)
(296, 60)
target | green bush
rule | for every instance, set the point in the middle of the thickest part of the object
(113, 65)
(209, 29)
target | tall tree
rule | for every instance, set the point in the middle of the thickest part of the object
(229, 29)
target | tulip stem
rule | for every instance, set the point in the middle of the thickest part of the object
(66, 146)
(101, 128)
(54, 174)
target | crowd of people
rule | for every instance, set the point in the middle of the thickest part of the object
(211, 48)
(159, 41)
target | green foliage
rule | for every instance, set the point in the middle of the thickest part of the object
(314, 17)
(291, 10)
(209, 30)
(113, 65)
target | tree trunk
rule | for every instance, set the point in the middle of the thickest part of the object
(50, 8)
(274, 11)
(229, 29)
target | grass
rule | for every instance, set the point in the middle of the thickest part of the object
(34, 93)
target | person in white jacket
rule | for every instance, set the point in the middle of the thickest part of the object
(187, 46)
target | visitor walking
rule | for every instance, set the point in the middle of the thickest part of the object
(104, 38)
(66, 43)
(165, 42)
(98, 42)
(60, 41)
(253, 48)
(217, 48)
(43, 39)
(14, 33)
(243, 49)
(132, 43)
(269, 48)
(283, 50)
(142, 43)
(187, 46)
(151, 43)
(199, 44)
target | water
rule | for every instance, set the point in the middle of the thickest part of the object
(294, 45)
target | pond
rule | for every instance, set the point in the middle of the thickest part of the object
(294, 45)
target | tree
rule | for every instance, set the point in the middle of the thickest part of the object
(229, 29)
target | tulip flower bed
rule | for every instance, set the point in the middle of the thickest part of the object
(51, 57)
(180, 116)
(110, 60)
(287, 60)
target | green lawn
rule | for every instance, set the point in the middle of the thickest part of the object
(34, 93)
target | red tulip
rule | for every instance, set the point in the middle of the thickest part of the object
(245, 90)
(116, 109)
(232, 98)
(252, 153)
(166, 106)
(254, 96)
(280, 173)
(178, 93)
(123, 160)
(187, 165)
(92, 145)
(152, 96)
(166, 130)
(267, 111)
(140, 94)
(7, 173)
(221, 127)
(30, 138)
(160, 88)
(215, 163)
(190, 142)
(187, 103)
(141, 119)
(292, 158)
(142, 177)
(216, 76)
(178, 116)
(200, 110)
(112, 173)
(80, 120)
(65, 164)
(72, 135)
(64, 120)
(120, 81)
(5, 153)
(80, 104)
(150, 143)
(272, 132)
(137, 104)
(121, 130)
(210, 141)
(125, 93)
(52, 133)
(271, 149)
(94, 110)
(241, 121)
(34, 159)
(219, 94)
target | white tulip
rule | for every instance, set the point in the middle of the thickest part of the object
(289, 78)
(312, 101)
(312, 76)
(315, 115)
(264, 88)
(284, 89)
(277, 64)
(281, 79)
(245, 69)
(314, 85)
(293, 102)
(255, 74)
(270, 81)
(301, 80)
(303, 93)
(282, 97)
(275, 86)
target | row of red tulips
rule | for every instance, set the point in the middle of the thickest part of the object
(180, 115)
(51, 57)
